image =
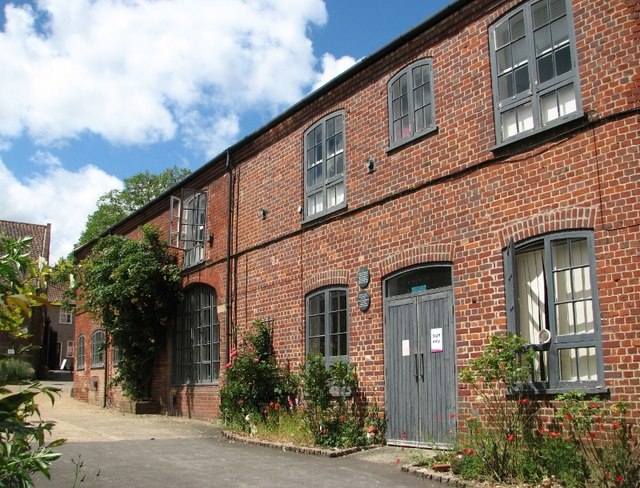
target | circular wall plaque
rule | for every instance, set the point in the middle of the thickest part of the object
(364, 300)
(363, 277)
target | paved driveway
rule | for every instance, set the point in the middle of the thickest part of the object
(157, 451)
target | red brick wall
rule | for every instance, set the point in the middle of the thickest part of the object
(445, 197)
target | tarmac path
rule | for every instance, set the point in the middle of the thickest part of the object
(145, 451)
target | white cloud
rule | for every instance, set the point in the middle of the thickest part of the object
(332, 67)
(57, 196)
(126, 70)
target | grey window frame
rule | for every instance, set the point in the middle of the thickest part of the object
(190, 349)
(412, 100)
(536, 91)
(188, 225)
(557, 342)
(97, 348)
(80, 352)
(320, 188)
(327, 334)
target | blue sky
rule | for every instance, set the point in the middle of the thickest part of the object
(94, 91)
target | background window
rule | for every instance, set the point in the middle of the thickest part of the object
(66, 317)
(327, 332)
(97, 349)
(324, 145)
(411, 108)
(535, 80)
(187, 225)
(552, 302)
(80, 353)
(196, 356)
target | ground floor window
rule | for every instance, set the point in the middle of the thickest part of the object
(80, 364)
(97, 349)
(327, 328)
(196, 351)
(552, 302)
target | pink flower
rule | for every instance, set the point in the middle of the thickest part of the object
(276, 406)
(524, 401)
(511, 438)
(256, 360)
(234, 353)
(228, 365)
(554, 434)
(452, 415)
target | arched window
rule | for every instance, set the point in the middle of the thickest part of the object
(196, 343)
(80, 362)
(97, 349)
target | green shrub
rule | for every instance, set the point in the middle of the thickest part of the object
(14, 371)
(254, 383)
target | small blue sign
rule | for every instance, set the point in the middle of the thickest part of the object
(418, 288)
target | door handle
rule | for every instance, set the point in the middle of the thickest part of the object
(415, 364)
(422, 365)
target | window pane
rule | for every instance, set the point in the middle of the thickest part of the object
(316, 304)
(316, 345)
(559, 32)
(505, 87)
(522, 79)
(419, 116)
(395, 107)
(519, 52)
(558, 8)
(517, 26)
(563, 60)
(578, 364)
(567, 100)
(549, 108)
(501, 35)
(543, 40)
(503, 57)
(330, 128)
(531, 294)
(404, 105)
(509, 124)
(403, 85)
(545, 68)
(395, 89)
(540, 13)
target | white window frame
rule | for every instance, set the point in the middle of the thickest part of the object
(66, 317)
(317, 339)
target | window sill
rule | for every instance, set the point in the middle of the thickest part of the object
(319, 217)
(404, 142)
(533, 390)
(195, 385)
(532, 139)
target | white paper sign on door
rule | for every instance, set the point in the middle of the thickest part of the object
(406, 350)
(436, 340)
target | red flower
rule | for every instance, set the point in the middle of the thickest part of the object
(619, 479)
(568, 416)
(228, 365)
(234, 353)
(404, 435)
(593, 405)
(524, 401)
(511, 438)
(276, 406)
(554, 434)
(472, 452)
(452, 415)
(592, 435)
(616, 425)
(341, 418)
(597, 420)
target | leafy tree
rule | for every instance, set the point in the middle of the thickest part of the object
(23, 450)
(132, 287)
(138, 190)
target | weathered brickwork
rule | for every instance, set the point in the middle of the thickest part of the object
(448, 197)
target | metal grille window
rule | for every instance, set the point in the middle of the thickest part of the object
(533, 67)
(327, 329)
(97, 349)
(188, 221)
(552, 303)
(80, 361)
(411, 105)
(196, 351)
(324, 179)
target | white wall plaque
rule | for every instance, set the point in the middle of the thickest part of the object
(436, 340)
(406, 349)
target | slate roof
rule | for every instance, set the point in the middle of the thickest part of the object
(41, 234)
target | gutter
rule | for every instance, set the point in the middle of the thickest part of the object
(228, 299)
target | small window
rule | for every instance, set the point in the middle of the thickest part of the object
(411, 104)
(196, 343)
(552, 302)
(80, 361)
(70, 349)
(97, 349)
(533, 68)
(187, 228)
(117, 355)
(66, 317)
(327, 328)
(325, 166)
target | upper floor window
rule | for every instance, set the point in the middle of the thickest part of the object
(117, 355)
(327, 332)
(80, 361)
(324, 178)
(188, 220)
(533, 68)
(196, 343)
(66, 317)
(411, 108)
(97, 349)
(552, 302)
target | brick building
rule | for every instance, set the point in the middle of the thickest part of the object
(477, 175)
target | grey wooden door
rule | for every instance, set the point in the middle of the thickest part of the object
(420, 368)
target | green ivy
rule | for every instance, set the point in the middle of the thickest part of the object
(132, 288)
